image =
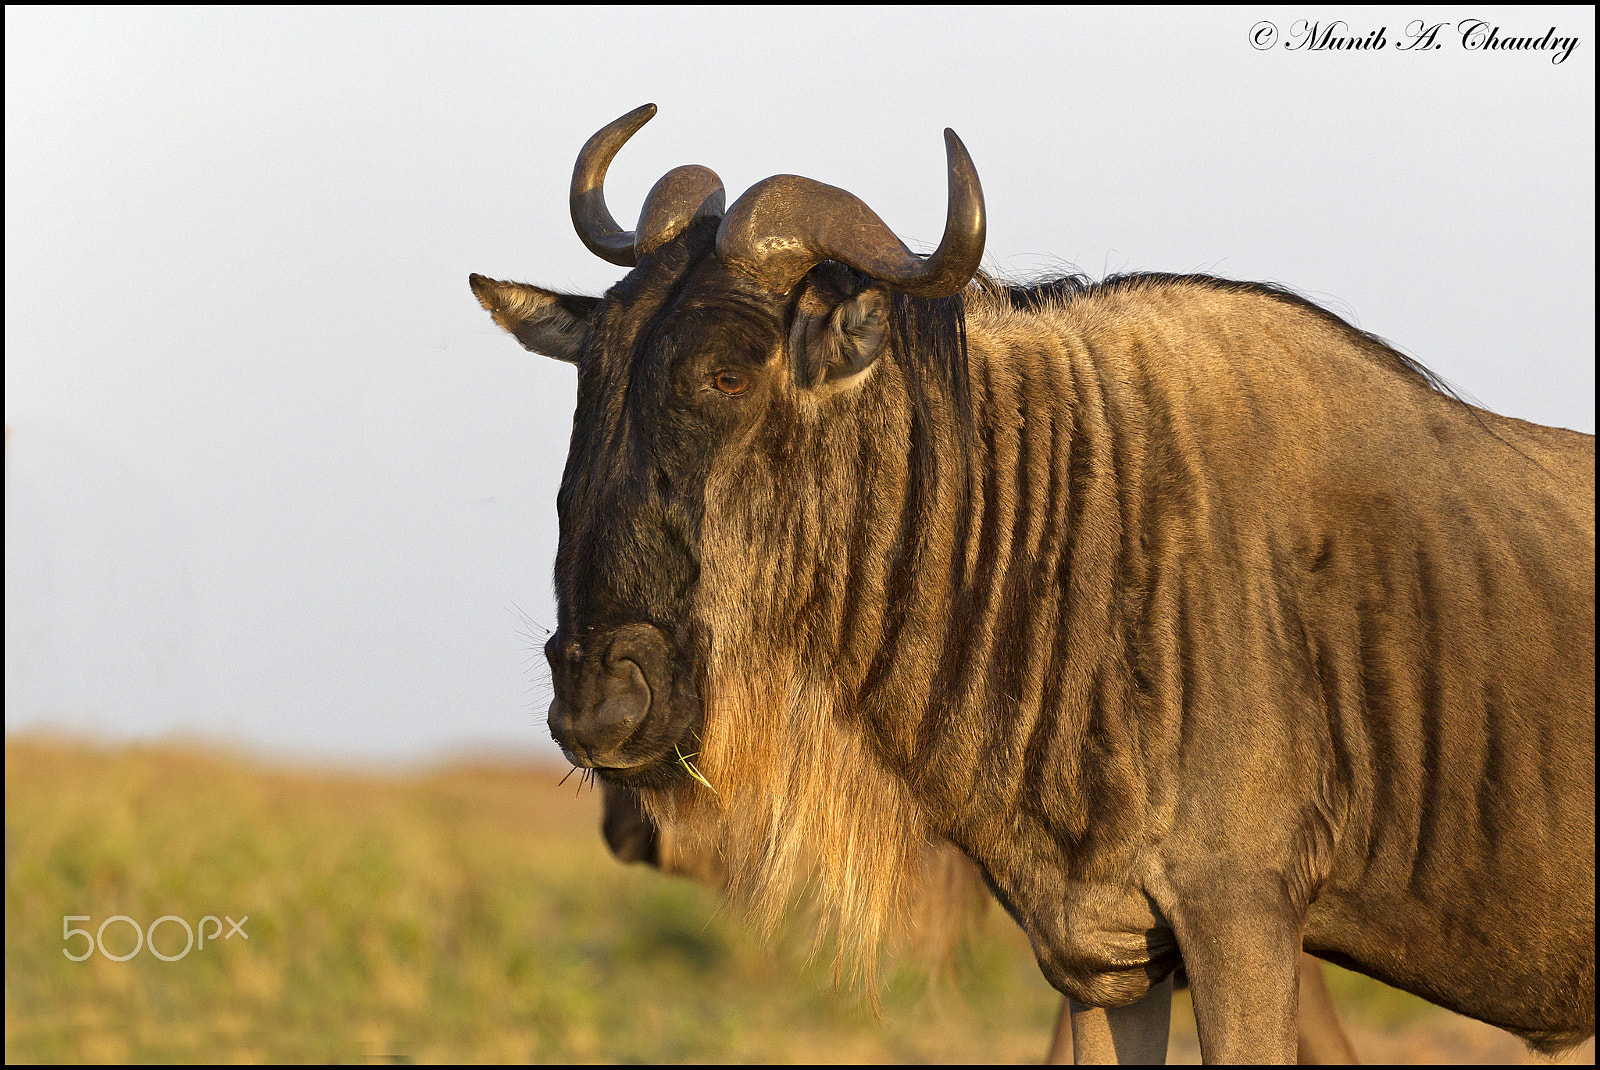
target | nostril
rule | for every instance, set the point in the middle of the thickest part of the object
(624, 698)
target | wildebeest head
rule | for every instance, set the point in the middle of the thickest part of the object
(709, 365)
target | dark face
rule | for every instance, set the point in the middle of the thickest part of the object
(687, 369)
(725, 318)
(678, 365)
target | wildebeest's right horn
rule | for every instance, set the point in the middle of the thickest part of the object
(674, 202)
(785, 225)
(683, 194)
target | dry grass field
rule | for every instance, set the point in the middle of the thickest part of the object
(466, 914)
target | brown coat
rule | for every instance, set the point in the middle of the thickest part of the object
(1204, 623)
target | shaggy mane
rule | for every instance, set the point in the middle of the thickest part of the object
(1063, 291)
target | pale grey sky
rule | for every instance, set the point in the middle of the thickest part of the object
(275, 479)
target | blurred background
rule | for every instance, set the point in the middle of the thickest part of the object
(280, 497)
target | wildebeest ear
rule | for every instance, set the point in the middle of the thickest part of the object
(542, 320)
(834, 349)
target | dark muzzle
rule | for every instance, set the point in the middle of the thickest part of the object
(619, 701)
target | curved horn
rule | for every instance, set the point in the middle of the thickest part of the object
(683, 195)
(590, 217)
(785, 225)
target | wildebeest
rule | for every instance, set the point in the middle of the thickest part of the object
(1204, 623)
(633, 836)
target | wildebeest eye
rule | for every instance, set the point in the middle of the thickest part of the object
(730, 382)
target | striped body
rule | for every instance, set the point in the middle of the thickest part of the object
(1205, 624)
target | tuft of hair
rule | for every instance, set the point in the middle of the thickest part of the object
(800, 801)
(944, 907)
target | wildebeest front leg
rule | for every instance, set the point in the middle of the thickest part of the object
(1240, 940)
(1132, 1035)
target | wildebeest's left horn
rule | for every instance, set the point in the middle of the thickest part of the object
(785, 225)
(681, 195)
